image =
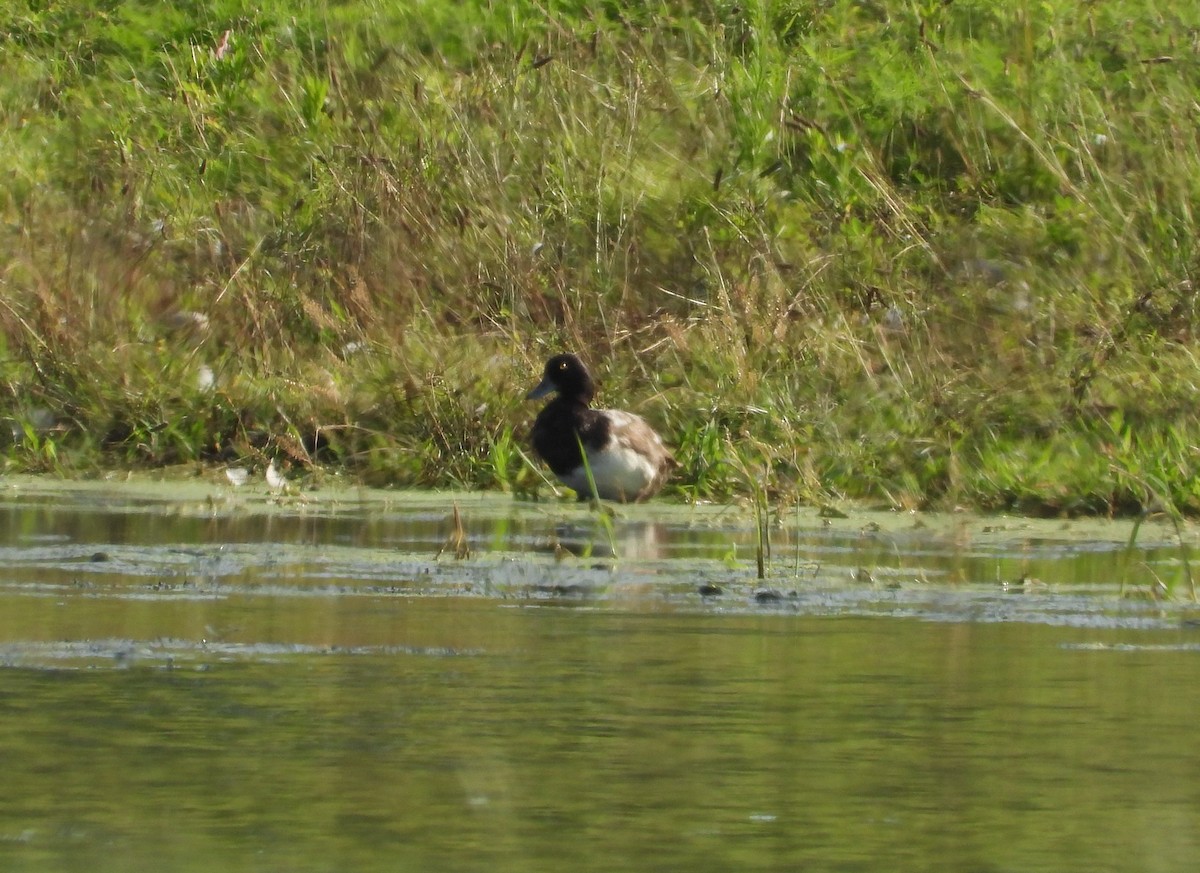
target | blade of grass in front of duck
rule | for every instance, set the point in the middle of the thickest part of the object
(602, 515)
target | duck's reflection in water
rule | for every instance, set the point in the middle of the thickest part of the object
(603, 538)
(598, 559)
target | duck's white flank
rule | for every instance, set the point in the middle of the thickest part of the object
(627, 465)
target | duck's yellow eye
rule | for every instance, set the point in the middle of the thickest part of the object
(562, 365)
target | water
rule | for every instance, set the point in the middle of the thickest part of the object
(201, 679)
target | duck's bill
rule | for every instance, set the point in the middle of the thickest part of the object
(544, 387)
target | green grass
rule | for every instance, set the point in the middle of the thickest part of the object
(927, 254)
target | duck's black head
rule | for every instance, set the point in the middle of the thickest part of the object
(567, 375)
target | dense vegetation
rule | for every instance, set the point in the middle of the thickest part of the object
(932, 253)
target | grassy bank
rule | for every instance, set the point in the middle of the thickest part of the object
(929, 254)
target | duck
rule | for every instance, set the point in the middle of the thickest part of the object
(628, 460)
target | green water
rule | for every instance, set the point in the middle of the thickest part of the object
(268, 685)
